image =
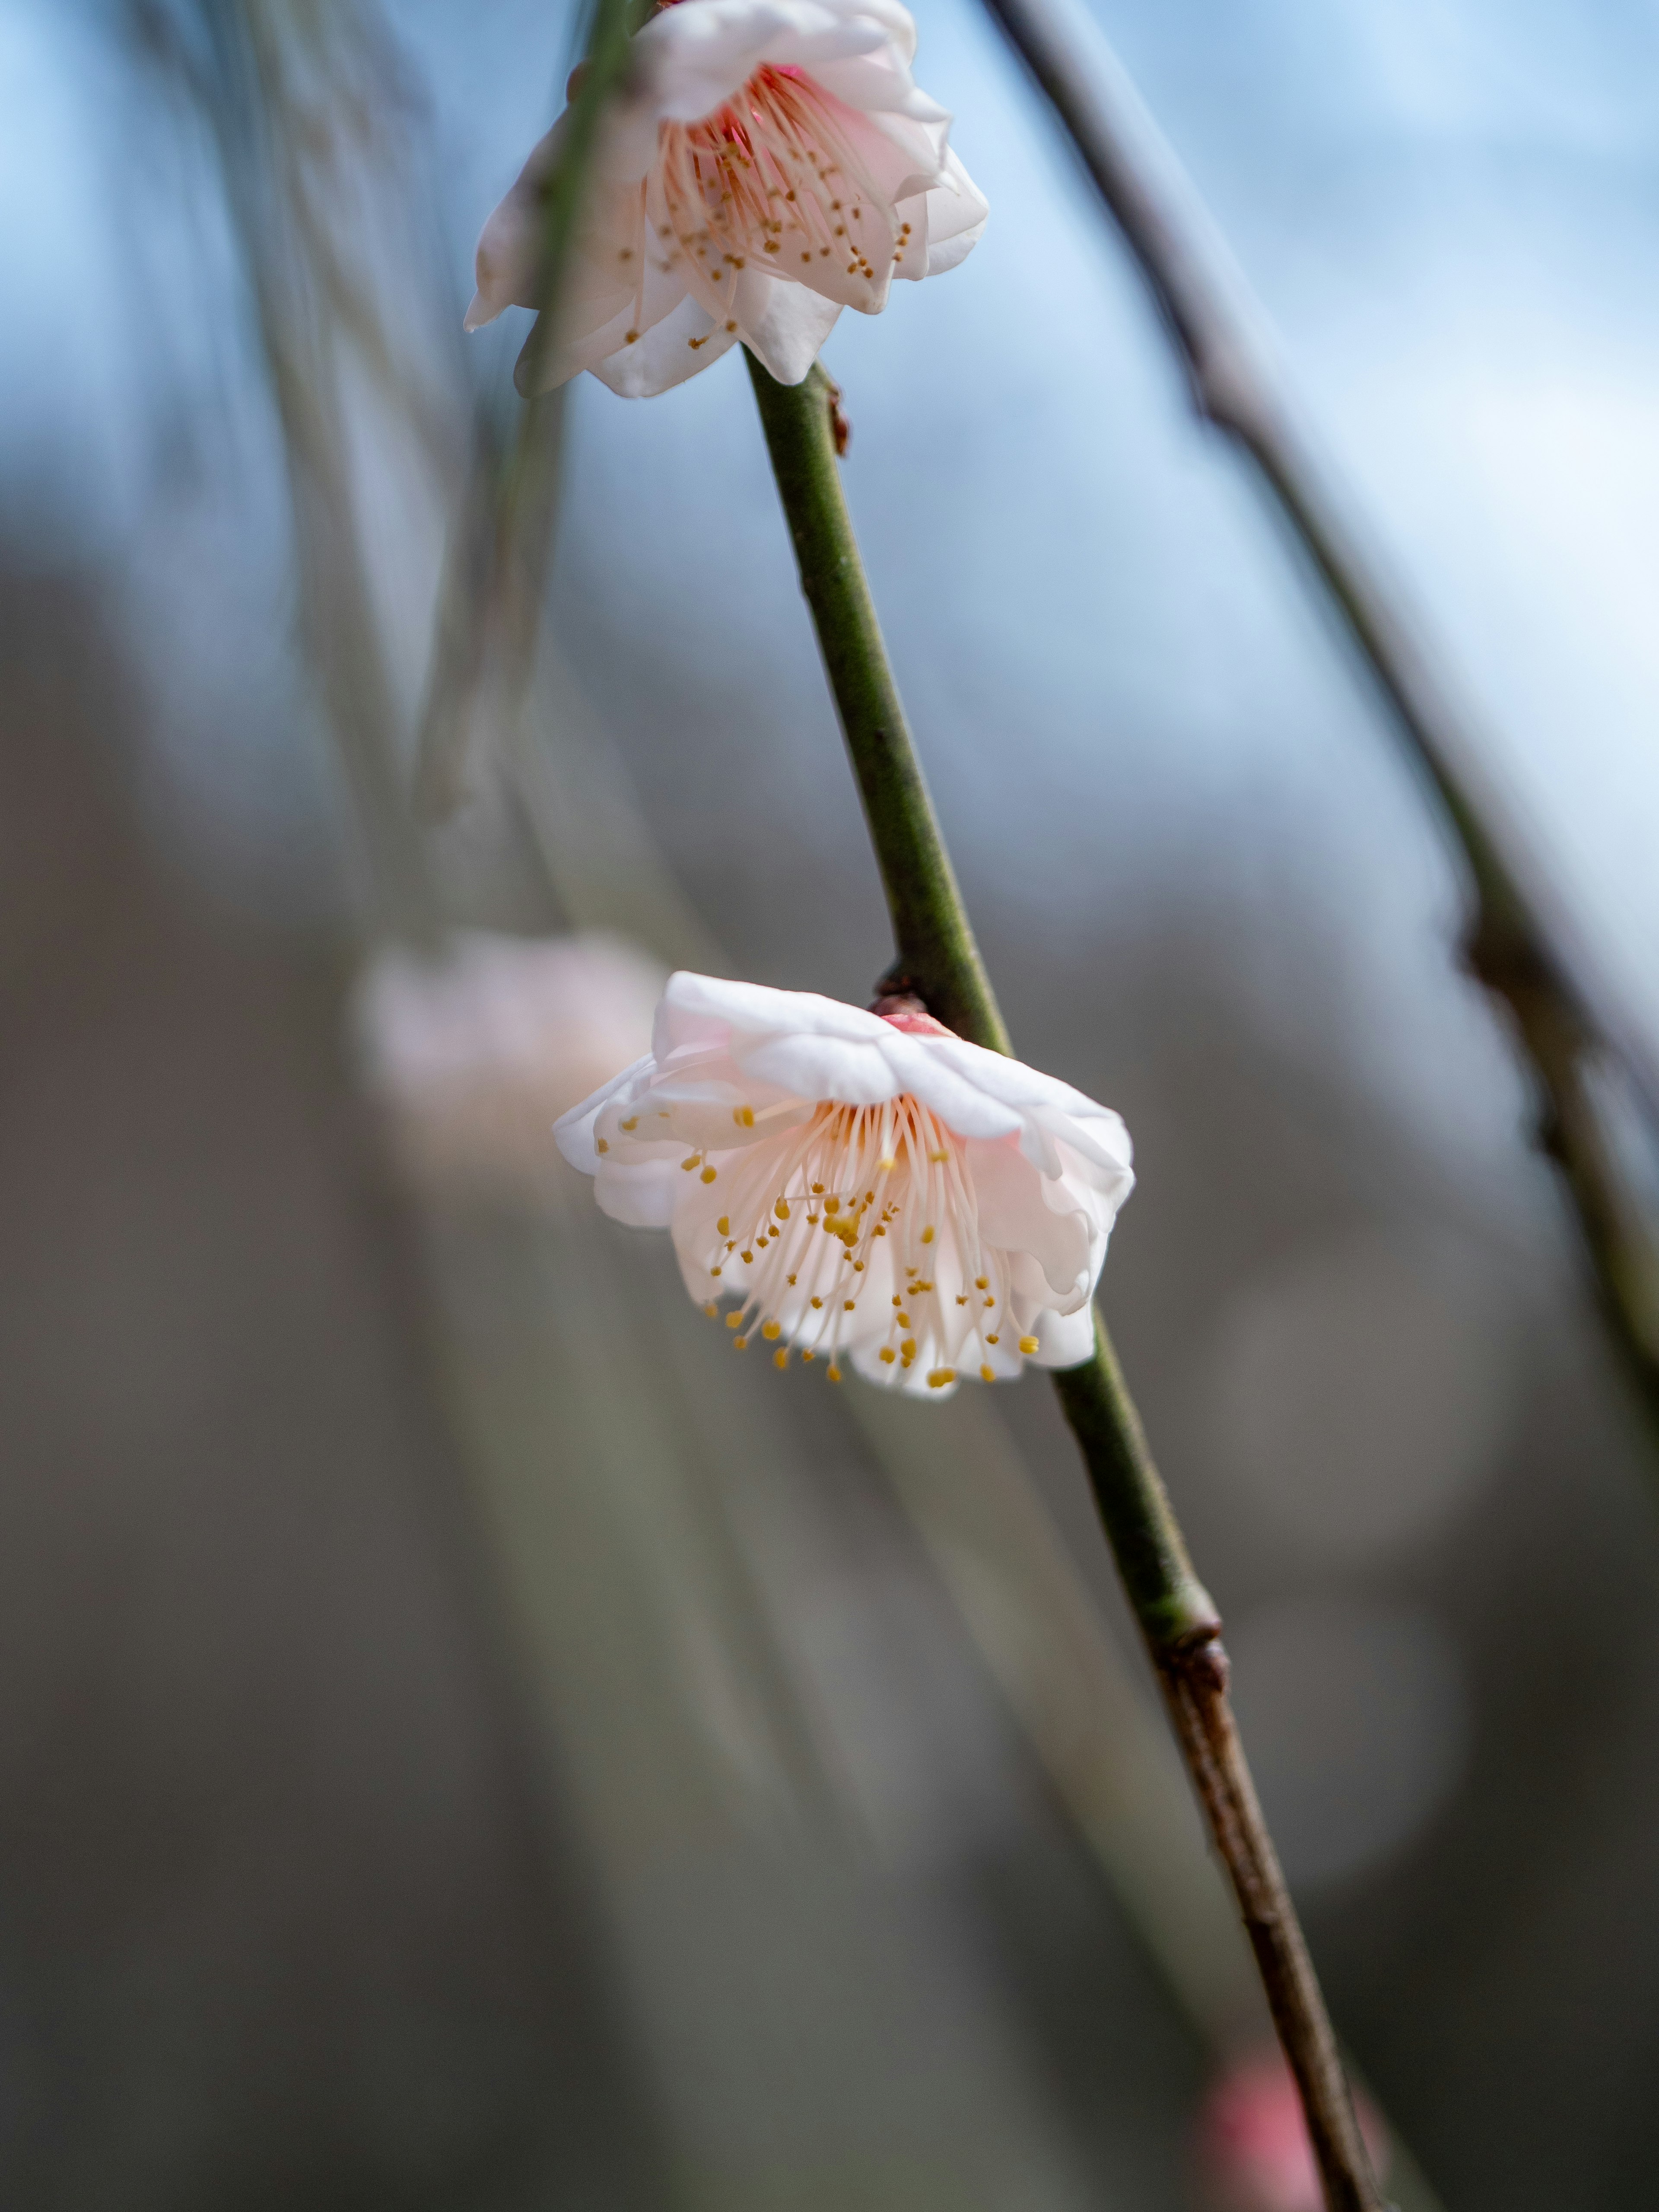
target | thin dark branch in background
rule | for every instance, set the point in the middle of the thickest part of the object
(253, 71)
(1513, 944)
(496, 580)
(939, 962)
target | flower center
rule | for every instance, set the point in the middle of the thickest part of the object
(861, 1228)
(771, 180)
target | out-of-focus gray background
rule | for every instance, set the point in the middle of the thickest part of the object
(419, 1787)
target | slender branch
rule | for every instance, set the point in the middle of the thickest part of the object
(496, 578)
(1519, 948)
(939, 961)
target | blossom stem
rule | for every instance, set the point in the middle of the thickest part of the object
(939, 962)
(938, 958)
(1514, 942)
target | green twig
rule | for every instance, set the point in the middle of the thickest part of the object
(939, 962)
(1517, 947)
(496, 576)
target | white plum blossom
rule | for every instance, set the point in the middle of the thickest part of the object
(475, 1054)
(768, 163)
(868, 1187)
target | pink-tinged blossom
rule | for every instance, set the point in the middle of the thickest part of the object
(1253, 2141)
(475, 1054)
(864, 1188)
(769, 163)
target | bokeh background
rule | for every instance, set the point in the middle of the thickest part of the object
(464, 1738)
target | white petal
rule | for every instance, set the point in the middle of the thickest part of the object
(1065, 1339)
(1019, 1212)
(665, 354)
(573, 1132)
(784, 324)
(951, 222)
(702, 52)
(509, 245)
(643, 1194)
(698, 1009)
(952, 1089)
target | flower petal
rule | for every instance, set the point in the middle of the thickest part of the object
(1065, 1339)
(643, 1195)
(667, 353)
(573, 1132)
(784, 324)
(952, 220)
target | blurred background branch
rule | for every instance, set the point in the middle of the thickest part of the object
(1518, 941)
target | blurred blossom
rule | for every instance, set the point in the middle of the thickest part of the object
(772, 163)
(1362, 1391)
(477, 1054)
(1357, 1717)
(962, 1201)
(1254, 2152)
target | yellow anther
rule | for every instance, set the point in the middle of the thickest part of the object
(888, 1354)
(887, 1164)
(993, 1339)
(988, 1374)
(858, 1266)
(807, 1356)
(744, 1117)
(816, 1303)
(898, 1301)
(848, 1305)
(781, 1209)
(792, 1282)
(747, 1257)
(1028, 1344)
(632, 1122)
(908, 1347)
(780, 1357)
(834, 1373)
(712, 1310)
(817, 1190)
(927, 1236)
(813, 1219)
(724, 1224)
(832, 1205)
(962, 1298)
(940, 1376)
(740, 1343)
(939, 1159)
(903, 1320)
(713, 1271)
(734, 1321)
(692, 1162)
(880, 1229)
(709, 1175)
(601, 1146)
(990, 1303)
(770, 1331)
(981, 1282)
